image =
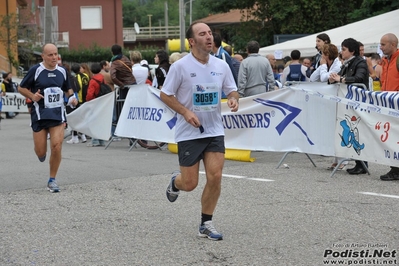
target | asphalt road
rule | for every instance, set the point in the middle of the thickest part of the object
(112, 210)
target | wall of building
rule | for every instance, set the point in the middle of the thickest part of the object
(69, 20)
(7, 7)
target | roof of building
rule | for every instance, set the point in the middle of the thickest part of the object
(222, 19)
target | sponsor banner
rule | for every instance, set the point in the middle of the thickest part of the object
(367, 125)
(94, 118)
(313, 118)
(14, 102)
(282, 120)
(145, 116)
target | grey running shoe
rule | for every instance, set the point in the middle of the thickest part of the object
(53, 187)
(170, 194)
(209, 231)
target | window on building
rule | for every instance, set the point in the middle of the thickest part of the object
(91, 17)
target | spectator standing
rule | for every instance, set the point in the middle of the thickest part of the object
(321, 39)
(273, 61)
(390, 81)
(236, 63)
(8, 85)
(105, 67)
(221, 53)
(149, 79)
(174, 57)
(329, 63)
(75, 87)
(140, 73)
(199, 130)
(354, 70)
(377, 69)
(86, 69)
(307, 63)
(256, 74)
(93, 92)
(162, 60)
(43, 81)
(82, 85)
(121, 71)
(295, 71)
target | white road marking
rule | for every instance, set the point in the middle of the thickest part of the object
(379, 195)
(244, 177)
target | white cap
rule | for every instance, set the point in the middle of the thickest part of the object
(143, 62)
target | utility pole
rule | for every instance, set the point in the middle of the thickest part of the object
(182, 27)
(191, 11)
(8, 37)
(48, 21)
(166, 20)
(149, 22)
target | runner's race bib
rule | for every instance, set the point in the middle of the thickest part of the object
(53, 97)
(205, 97)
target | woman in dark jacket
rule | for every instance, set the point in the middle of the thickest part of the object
(353, 70)
(162, 59)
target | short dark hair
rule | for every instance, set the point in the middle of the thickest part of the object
(286, 59)
(75, 68)
(103, 63)
(324, 37)
(217, 39)
(375, 56)
(295, 54)
(352, 45)
(5, 75)
(189, 32)
(116, 49)
(95, 68)
(253, 47)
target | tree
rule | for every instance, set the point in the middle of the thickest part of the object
(296, 16)
(9, 37)
(138, 11)
(370, 8)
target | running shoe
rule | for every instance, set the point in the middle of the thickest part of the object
(53, 187)
(73, 140)
(170, 194)
(209, 231)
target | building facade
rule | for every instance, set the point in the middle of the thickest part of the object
(76, 23)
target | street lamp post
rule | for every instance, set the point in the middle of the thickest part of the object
(149, 21)
(182, 12)
(182, 26)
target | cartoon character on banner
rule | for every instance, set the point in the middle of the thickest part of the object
(350, 133)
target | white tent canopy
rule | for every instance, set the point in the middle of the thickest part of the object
(368, 31)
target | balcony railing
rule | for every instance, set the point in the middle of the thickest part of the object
(170, 32)
(60, 39)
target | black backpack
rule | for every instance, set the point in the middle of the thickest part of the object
(296, 73)
(104, 88)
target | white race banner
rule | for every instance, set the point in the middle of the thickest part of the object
(14, 102)
(367, 125)
(145, 116)
(283, 120)
(94, 118)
